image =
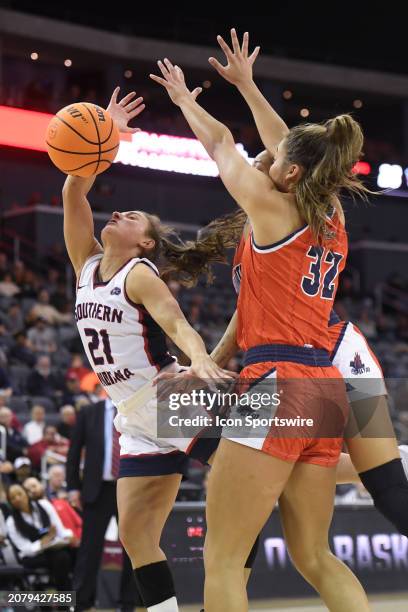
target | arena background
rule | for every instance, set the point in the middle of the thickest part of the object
(312, 66)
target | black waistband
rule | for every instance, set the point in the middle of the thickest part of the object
(285, 352)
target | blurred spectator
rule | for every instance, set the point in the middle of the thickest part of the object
(70, 519)
(6, 341)
(15, 442)
(367, 324)
(38, 534)
(56, 486)
(22, 469)
(42, 337)
(51, 283)
(19, 272)
(46, 311)
(29, 285)
(34, 488)
(5, 385)
(3, 263)
(59, 298)
(51, 441)
(67, 422)
(21, 352)
(77, 368)
(72, 392)
(14, 320)
(33, 431)
(3, 528)
(42, 381)
(8, 288)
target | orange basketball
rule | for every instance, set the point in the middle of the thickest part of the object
(82, 139)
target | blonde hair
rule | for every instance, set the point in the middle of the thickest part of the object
(326, 153)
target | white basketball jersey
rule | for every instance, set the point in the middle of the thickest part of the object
(124, 345)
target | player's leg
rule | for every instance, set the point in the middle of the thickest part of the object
(144, 504)
(306, 508)
(371, 442)
(244, 485)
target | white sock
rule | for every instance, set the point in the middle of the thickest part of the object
(403, 449)
(170, 605)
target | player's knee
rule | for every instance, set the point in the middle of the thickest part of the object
(233, 559)
(136, 527)
(310, 561)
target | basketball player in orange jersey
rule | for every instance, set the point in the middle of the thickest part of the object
(123, 310)
(384, 477)
(374, 456)
(291, 263)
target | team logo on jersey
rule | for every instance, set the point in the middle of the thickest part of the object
(236, 277)
(357, 366)
(116, 291)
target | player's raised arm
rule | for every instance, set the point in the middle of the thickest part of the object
(78, 221)
(238, 71)
(252, 190)
(144, 287)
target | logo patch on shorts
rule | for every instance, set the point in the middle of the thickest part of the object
(116, 291)
(357, 365)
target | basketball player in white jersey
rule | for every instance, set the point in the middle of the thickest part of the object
(123, 310)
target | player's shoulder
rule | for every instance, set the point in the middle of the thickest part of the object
(142, 268)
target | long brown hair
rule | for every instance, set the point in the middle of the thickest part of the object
(326, 153)
(187, 260)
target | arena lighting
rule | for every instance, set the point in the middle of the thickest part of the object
(389, 176)
(26, 130)
(362, 167)
(34, 56)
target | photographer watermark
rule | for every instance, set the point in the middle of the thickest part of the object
(258, 408)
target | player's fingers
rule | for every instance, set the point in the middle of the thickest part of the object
(245, 42)
(235, 41)
(127, 98)
(169, 65)
(217, 65)
(163, 69)
(225, 47)
(137, 111)
(196, 92)
(159, 80)
(114, 96)
(254, 54)
(134, 104)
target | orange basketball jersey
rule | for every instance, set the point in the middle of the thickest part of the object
(286, 290)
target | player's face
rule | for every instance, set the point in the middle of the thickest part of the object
(284, 175)
(129, 229)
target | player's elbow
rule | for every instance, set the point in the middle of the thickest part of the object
(224, 145)
(223, 142)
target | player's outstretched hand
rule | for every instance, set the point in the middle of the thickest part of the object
(205, 368)
(239, 64)
(124, 111)
(174, 83)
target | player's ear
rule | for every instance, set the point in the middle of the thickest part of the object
(147, 243)
(294, 173)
